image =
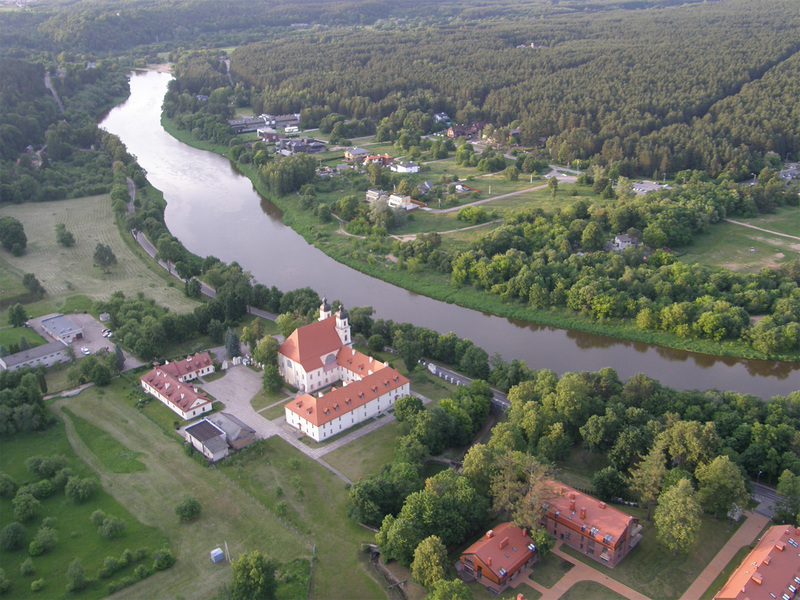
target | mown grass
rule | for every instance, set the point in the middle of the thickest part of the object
(652, 570)
(114, 456)
(66, 271)
(318, 513)
(784, 220)
(12, 335)
(228, 514)
(550, 570)
(723, 576)
(77, 536)
(367, 454)
(591, 589)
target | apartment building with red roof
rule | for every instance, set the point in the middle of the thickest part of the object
(190, 368)
(498, 558)
(590, 526)
(181, 397)
(771, 571)
(319, 355)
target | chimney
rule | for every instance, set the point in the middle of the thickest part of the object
(490, 534)
(520, 597)
(757, 577)
(602, 505)
(503, 543)
(583, 513)
(489, 564)
(524, 532)
(780, 546)
(572, 495)
(572, 505)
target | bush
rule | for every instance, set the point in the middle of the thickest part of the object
(97, 518)
(45, 467)
(110, 566)
(112, 527)
(163, 559)
(27, 568)
(12, 537)
(60, 479)
(79, 489)
(8, 487)
(141, 572)
(188, 509)
(42, 489)
(37, 585)
(5, 582)
(126, 558)
(49, 522)
(43, 541)
(76, 577)
(140, 554)
(25, 506)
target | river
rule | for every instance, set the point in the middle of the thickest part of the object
(213, 210)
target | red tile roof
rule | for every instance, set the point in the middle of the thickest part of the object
(190, 364)
(504, 547)
(587, 515)
(347, 398)
(769, 570)
(307, 345)
(358, 363)
(182, 395)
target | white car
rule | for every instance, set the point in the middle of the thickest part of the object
(85, 350)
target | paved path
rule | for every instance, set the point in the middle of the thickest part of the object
(786, 235)
(581, 572)
(50, 87)
(744, 536)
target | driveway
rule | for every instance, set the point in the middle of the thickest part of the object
(235, 390)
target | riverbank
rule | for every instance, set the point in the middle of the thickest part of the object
(439, 288)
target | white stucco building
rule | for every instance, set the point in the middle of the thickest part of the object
(169, 383)
(319, 355)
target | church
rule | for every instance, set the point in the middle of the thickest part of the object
(320, 355)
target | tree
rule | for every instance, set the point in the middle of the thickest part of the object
(64, 236)
(789, 497)
(450, 590)
(188, 509)
(552, 185)
(12, 235)
(232, 345)
(253, 577)
(119, 358)
(266, 351)
(677, 517)
(12, 537)
(25, 506)
(76, 577)
(593, 237)
(252, 333)
(32, 284)
(720, 486)
(104, 257)
(407, 407)
(17, 315)
(648, 476)
(271, 380)
(79, 489)
(409, 351)
(609, 483)
(430, 561)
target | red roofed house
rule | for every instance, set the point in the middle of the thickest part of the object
(169, 384)
(591, 526)
(498, 557)
(320, 354)
(771, 570)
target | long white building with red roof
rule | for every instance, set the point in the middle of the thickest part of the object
(319, 355)
(169, 383)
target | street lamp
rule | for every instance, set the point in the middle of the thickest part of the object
(759, 476)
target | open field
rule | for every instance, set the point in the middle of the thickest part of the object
(652, 570)
(77, 537)
(67, 271)
(367, 454)
(785, 219)
(317, 512)
(150, 495)
(590, 589)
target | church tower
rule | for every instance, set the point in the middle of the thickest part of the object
(324, 309)
(343, 326)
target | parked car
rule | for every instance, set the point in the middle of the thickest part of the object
(85, 350)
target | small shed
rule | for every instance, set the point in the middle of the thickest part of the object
(104, 317)
(217, 555)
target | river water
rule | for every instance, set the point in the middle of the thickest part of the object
(213, 210)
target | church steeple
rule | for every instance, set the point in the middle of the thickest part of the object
(343, 326)
(324, 309)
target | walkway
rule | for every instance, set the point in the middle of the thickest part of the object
(786, 235)
(744, 536)
(581, 572)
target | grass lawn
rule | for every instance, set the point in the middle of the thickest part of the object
(426, 383)
(652, 570)
(783, 220)
(77, 537)
(591, 589)
(276, 412)
(367, 454)
(111, 453)
(728, 245)
(11, 335)
(549, 571)
(150, 495)
(318, 513)
(62, 270)
(10, 287)
(56, 377)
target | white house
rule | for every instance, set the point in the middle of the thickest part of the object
(319, 355)
(168, 383)
(405, 167)
(47, 355)
(400, 201)
(623, 241)
(61, 328)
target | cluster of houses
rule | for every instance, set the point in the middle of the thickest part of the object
(272, 121)
(393, 200)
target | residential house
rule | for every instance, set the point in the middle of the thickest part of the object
(247, 124)
(771, 570)
(456, 131)
(62, 329)
(284, 121)
(268, 135)
(621, 242)
(208, 439)
(383, 160)
(441, 118)
(375, 195)
(289, 147)
(320, 354)
(400, 201)
(355, 154)
(170, 385)
(425, 187)
(498, 558)
(46, 355)
(590, 526)
(405, 167)
(237, 434)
